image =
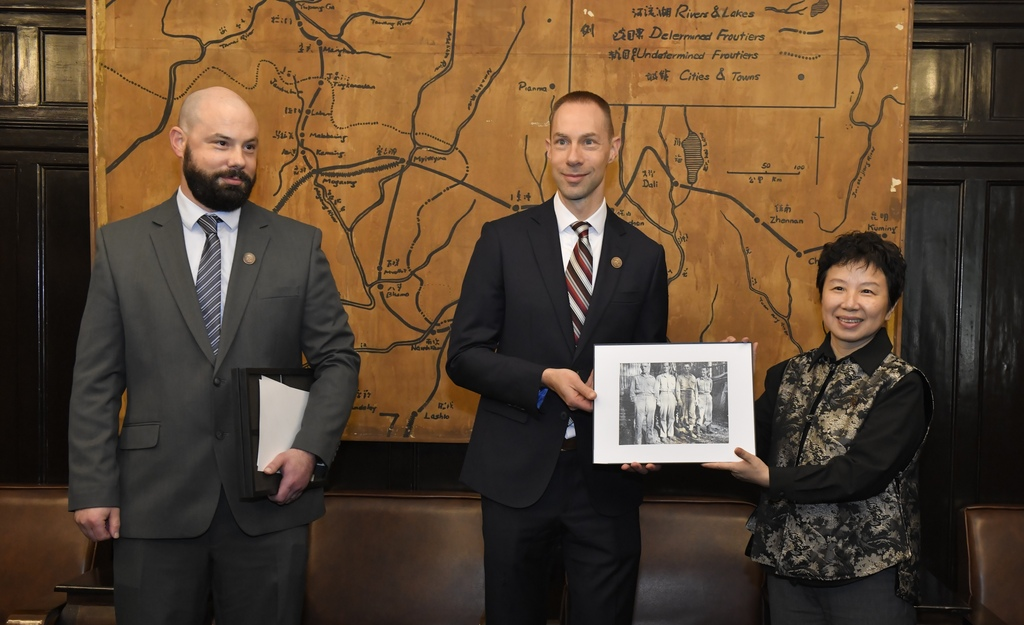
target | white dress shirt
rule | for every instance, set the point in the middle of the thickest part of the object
(195, 239)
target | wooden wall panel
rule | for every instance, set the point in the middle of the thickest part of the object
(938, 82)
(1007, 96)
(8, 321)
(65, 68)
(8, 65)
(965, 153)
(46, 239)
(64, 211)
(1001, 428)
(929, 336)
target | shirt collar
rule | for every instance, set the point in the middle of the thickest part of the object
(869, 357)
(191, 212)
(566, 219)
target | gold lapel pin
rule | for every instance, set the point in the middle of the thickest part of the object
(248, 258)
(616, 262)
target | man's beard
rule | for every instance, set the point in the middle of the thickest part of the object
(210, 192)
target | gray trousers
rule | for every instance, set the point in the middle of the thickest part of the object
(252, 579)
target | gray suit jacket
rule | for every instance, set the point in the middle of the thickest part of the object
(142, 331)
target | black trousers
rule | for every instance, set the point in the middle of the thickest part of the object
(601, 555)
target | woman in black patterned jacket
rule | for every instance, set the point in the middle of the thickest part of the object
(839, 432)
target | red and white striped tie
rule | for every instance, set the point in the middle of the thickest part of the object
(579, 277)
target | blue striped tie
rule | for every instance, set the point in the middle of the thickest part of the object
(208, 280)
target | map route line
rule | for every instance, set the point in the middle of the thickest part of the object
(415, 414)
(369, 14)
(766, 300)
(864, 161)
(172, 82)
(625, 195)
(409, 342)
(490, 76)
(447, 63)
(337, 170)
(398, 317)
(788, 10)
(526, 159)
(749, 212)
(711, 317)
(627, 187)
(781, 239)
(464, 184)
(306, 18)
(664, 143)
(412, 274)
(386, 233)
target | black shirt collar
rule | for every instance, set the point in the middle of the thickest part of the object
(869, 357)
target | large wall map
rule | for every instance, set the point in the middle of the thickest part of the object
(753, 131)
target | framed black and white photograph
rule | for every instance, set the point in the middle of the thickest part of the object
(673, 402)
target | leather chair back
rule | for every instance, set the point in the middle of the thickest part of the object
(693, 569)
(40, 545)
(992, 562)
(396, 558)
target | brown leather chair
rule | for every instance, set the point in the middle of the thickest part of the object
(40, 547)
(992, 563)
(396, 558)
(693, 568)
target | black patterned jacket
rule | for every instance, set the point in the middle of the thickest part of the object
(842, 440)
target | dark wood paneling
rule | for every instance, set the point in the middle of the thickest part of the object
(64, 68)
(8, 66)
(966, 142)
(929, 340)
(1002, 359)
(979, 29)
(46, 267)
(46, 238)
(938, 82)
(1007, 96)
(8, 318)
(64, 207)
(45, 47)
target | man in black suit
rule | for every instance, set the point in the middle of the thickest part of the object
(514, 341)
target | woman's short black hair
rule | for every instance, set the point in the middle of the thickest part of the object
(865, 248)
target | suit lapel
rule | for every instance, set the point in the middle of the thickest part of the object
(253, 237)
(608, 275)
(169, 244)
(548, 252)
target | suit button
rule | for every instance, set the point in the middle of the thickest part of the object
(219, 435)
(217, 381)
(565, 416)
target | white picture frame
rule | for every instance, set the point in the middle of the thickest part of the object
(712, 413)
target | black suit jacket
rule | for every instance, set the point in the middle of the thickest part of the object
(513, 321)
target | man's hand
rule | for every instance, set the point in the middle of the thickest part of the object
(576, 394)
(99, 524)
(296, 466)
(642, 469)
(750, 468)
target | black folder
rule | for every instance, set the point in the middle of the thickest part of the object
(257, 484)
